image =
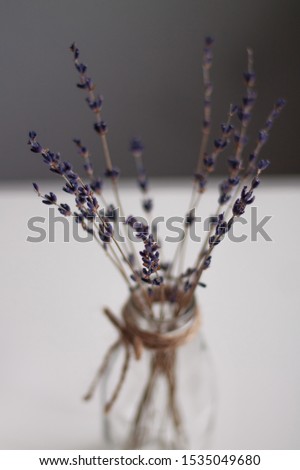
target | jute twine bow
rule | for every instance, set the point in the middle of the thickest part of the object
(135, 340)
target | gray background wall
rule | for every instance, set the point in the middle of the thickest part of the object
(145, 57)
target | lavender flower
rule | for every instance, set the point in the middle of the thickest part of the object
(36, 188)
(49, 199)
(136, 147)
(187, 286)
(176, 290)
(95, 104)
(263, 164)
(249, 78)
(190, 217)
(239, 185)
(263, 135)
(201, 181)
(65, 210)
(96, 185)
(209, 161)
(207, 262)
(150, 253)
(226, 187)
(100, 127)
(234, 164)
(105, 232)
(220, 230)
(147, 205)
(112, 173)
(245, 199)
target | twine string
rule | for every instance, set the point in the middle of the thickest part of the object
(164, 347)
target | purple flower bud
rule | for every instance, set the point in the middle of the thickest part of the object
(36, 188)
(96, 186)
(143, 183)
(213, 240)
(263, 165)
(75, 50)
(100, 127)
(89, 84)
(225, 186)
(105, 237)
(70, 188)
(226, 128)
(65, 168)
(249, 100)
(95, 105)
(224, 198)
(50, 199)
(280, 103)
(220, 217)
(109, 228)
(250, 200)
(71, 175)
(234, 109)
(233, 163)
(209, 162)
(187, 286)
(130, 220)
(201, 181)
(111, 213)
(86, 84)
(35, 147)
(238, 208)
(249, 78)
(206, 124)
(136, 146)
(221, 228)
(208, 92)
(255, 182)
(247, 196)
(148, 205)
(263, 136)
(78, 218)
(244, 193)
(208, 41)
(190, 217)
(207, 262)
(32, 135)
(65, 210)
(82, 86)
(220, 143)
(113, 173)
(238, 139)
(88, 167)
(201, 284)
(157, 281)
(244, 117)
(81, 68)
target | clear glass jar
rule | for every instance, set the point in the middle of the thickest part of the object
(168, 397)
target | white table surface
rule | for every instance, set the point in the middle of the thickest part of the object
(53, 334)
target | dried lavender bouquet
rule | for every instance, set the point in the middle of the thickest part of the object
(161, 314)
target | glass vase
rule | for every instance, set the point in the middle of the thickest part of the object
(167, 398)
